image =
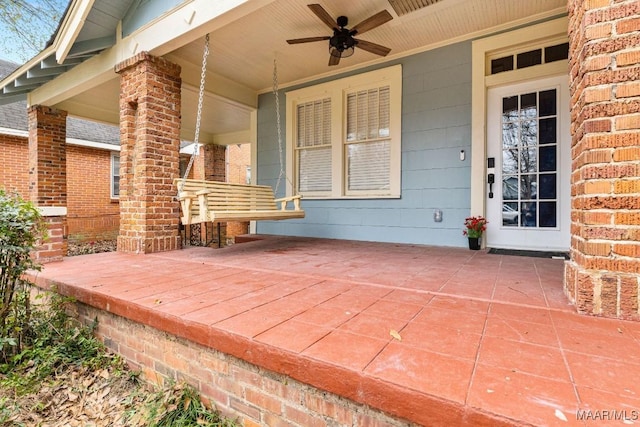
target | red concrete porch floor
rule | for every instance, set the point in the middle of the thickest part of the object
(485, 339)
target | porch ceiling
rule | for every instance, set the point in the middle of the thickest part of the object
(243, 50)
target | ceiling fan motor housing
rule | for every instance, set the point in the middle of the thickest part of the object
(342, 43)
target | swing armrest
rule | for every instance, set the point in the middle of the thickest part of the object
(187, 199)
(284, 200)
(186, 195)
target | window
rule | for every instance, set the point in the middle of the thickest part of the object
(553, 53)
(115, 175)
(313, 146)
(344, 136)
(368, 146)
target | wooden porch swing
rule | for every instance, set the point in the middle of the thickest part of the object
(216, 201)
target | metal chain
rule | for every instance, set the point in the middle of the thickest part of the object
(203, 75)
(277, 96)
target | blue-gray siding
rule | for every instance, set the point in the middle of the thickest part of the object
(436, 125)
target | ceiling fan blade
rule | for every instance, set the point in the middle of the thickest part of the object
(308, 39)
(373, 47)
(372, 22)
(323, 15)
(334, 60)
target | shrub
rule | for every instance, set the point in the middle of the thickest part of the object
(20, 228)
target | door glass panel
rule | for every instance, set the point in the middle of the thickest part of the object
(548, 130)
(528, 186)
(509, 108)
(548, 103)
(529, 160)
(529, 133)
(528, 105)
(510, 161)
(510, 215)
(510, 188)
(548, 186)
(548, 159)
(509, 135)
(529, 214)
(548, 214)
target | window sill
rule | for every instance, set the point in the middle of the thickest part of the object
(316, 197)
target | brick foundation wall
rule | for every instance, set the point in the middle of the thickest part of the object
(150, 108)
(603, 277)
(237, 388)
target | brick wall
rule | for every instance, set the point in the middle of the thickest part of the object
(603, 274)
(238, 160)
(237, 388)
(150, 108)
(91, 214)
(14, 154)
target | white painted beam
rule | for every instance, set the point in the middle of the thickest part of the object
(183, 25)
(71, 28)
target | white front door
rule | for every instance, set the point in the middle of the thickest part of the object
(528, 145)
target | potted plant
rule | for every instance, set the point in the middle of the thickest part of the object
(475, 226)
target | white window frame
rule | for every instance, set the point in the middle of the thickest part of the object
(112, 174)
(337, 91)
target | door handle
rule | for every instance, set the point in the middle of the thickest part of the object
(491, 179)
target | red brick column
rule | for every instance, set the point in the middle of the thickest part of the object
(211, 164)
(215, 162)
(603, 275)
(149, 157)
(48, 177)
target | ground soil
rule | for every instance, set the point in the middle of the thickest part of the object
(77, 397)
(93, 247)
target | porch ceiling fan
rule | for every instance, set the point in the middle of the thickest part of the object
(343, 43)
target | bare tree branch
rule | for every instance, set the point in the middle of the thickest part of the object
(27, 25)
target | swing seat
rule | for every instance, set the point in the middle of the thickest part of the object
(214, 201)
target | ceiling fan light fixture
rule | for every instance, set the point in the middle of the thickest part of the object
(342, 44)
(341, 53)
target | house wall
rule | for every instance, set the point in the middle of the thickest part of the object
(14, 155)
(436, 125)
(92, 215)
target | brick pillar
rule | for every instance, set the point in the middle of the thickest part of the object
(211, 165)
(603, 276)
(48, 177)
(149, 156)
(215, 165)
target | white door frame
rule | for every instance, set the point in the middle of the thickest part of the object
(545, 239)
(481, 80)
